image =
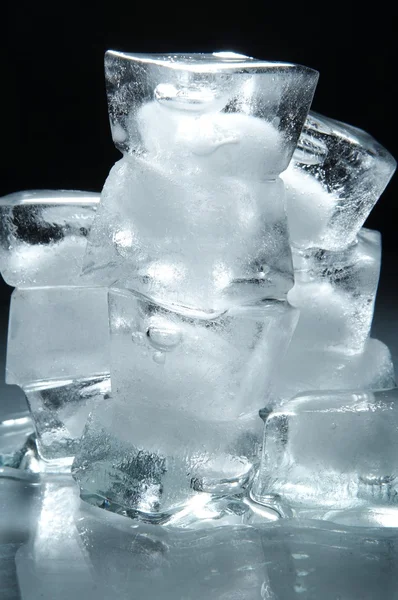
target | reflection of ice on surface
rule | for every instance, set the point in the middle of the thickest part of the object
(54, 564)
(97, 555)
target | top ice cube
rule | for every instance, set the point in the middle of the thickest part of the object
(279, 94)
(194, 213)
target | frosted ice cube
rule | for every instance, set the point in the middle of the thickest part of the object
(217, 367)
(332, 451)
(335, 292)
(186, 87)
(58, 352)
(194, 212)
(304, 369)
(186, 396)
(57, 334)
(336, 175)
(197, 240)
(43, 236)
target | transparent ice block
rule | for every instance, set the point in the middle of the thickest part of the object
(58, 353)
(197, 84)
(194, 212)
(333, 452)
(336, 176)
(186, 392)
(43, 236)
(336, 292)
(304, 370)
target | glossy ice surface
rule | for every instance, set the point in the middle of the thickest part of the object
(52, 546)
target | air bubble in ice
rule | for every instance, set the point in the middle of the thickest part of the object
(138, 337)
(195, 98)
(159, 357)
(164, 338)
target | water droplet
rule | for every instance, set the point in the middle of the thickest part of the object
(138, 338)
(164, 338)
(159, 357)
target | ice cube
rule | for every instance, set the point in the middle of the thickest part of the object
(333, 451)
(194, 212)
(336, 176)
(121, 465)
(57, 334)
(305, 369)
(186, 395)
(197, 240)
(187, 87)
(58, 352)
(43, 236)
(335, 292)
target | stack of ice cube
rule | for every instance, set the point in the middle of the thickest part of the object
(333, 181)
(223, 270)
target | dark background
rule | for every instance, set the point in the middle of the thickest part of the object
(55, 131)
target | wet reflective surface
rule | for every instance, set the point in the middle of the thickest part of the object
(54, 546)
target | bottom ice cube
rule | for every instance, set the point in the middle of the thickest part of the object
(186, 392)
(332, 451)
(159, 475)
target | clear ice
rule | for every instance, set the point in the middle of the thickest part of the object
(336, 176)
(191, 236)
(43, 236)
(334, 455)
(194, 346)
(66, 362)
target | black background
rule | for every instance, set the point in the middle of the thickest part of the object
(55, 131)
